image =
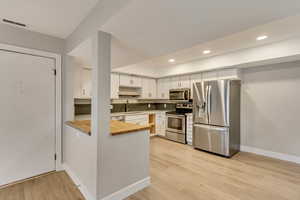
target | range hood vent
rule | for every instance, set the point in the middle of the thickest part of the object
(127, 92)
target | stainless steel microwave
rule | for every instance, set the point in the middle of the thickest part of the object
(180, 94)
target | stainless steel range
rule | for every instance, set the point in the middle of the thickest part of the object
(176, 122)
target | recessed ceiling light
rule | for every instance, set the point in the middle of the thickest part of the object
(171, 60)
(206, 52)
(262, 37)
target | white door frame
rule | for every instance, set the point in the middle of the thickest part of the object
(58, 95)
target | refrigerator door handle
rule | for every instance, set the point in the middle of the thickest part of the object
(208, 100)
(202, 105)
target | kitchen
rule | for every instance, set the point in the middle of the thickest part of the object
(143, 100)
(137, 99)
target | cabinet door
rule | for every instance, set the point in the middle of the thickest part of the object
(148, 88)
(77, 82)
(125, 80)
(184, 82)
(229, 74)
(163, 87)
(114, 86)
(135, 81)
(145, 88)
(189, 129)
(161, 124)
(152, 89)
(160, 89)
(86, 82)
(130, 81)
(175, 82)
(167, 87)
(209, 76)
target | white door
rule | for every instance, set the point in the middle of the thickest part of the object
(27, 120)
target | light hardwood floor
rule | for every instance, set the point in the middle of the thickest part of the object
(178, 172)
(54, 186)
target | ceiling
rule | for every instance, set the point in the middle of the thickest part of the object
(279, 30)
(151, 29)
(57, 18)
(148, 33)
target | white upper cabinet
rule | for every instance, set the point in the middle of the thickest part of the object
(229, 74)
(210, 76)
(115, 82)
(130, 81)
(184, 81)
(179, 82)
(77, 82)
(148, 88)
(175, 82)
(82, 83)
(163, 87)
(87, 83)
(196, 78)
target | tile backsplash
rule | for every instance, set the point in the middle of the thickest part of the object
(85, 109)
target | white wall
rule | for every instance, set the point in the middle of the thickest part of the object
(25, 38)
(125, 161)
(102, 12)
(80, 156)
(79, 150)
(270, 108)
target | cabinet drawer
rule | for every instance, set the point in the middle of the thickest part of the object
(136, 117)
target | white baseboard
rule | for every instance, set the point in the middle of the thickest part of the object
(78, 183)
(129, 190)
(280, 156)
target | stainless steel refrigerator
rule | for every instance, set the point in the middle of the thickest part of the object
(216, 116)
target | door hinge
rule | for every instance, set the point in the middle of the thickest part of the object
(55, 156)
(54, 71)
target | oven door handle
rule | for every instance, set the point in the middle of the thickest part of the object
(176, 116)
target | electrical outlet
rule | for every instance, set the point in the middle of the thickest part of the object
(165, 105)
(149, 105)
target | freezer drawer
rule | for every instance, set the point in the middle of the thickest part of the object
(176, 137)
(211, 138)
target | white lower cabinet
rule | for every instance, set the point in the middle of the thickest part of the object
(189, 129)
(161, 123)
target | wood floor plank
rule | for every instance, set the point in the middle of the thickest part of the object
(55, 186)
(180, 172)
